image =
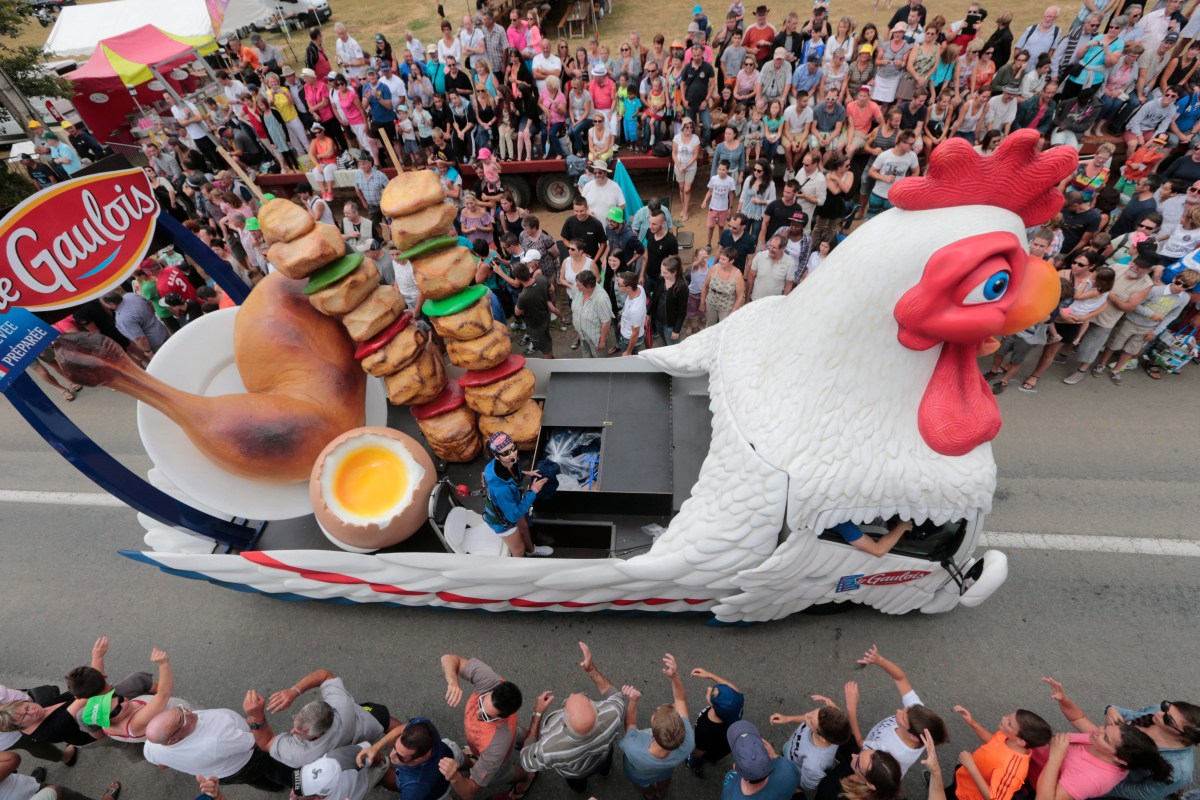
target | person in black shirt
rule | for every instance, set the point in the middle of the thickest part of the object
(737, 235)
(534, 306)
(1080, 222)
(901, 14)
(95, 318)
(697, 78)
(1141, 205)
(184, 311)
(660, 243)
(457, 81)
(586, 228)
(779, 212)
(42, 175)
(440, 116)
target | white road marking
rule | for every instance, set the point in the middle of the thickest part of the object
(1004, 540)
(1137, 545)
(60, 498)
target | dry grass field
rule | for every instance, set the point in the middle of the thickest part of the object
(670, 17)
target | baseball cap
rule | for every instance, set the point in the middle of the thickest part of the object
(530, 256)
(1160, 139)
(900, 26)
(1010, 89)
(813, 58)
(252, 224)
(33, 123)
(799, 217)
(780, 52)
(66, 123)
(696, 9)
(484, 154)
(1171, 37)
(318, 778)
(750, 756)
(866, 48)
(379, 37)
(148, 263)
(727, 702)
(97, 712)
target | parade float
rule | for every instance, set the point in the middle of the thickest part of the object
(703, 477)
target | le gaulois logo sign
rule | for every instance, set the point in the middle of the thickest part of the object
(75, 240)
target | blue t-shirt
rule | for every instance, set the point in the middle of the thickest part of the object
(424, 781)
(848, 531)
(781, 785)
(61, 150)
(379, 114)
(644, 769)
(1189, 111)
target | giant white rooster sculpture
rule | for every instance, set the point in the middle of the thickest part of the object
(855, 397)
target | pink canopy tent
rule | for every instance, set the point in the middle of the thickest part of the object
(141, 61)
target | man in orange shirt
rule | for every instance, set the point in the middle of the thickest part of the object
(863, 115)
(490, 726)
(997, 769)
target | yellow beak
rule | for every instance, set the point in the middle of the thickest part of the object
(1038, 296)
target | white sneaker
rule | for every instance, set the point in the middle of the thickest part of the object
(541, 551)
(788, 175)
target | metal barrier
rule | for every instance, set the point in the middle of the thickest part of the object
(133, 152)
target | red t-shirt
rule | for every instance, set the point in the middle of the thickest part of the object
(864, 118)
(759, 41)
(170, 280)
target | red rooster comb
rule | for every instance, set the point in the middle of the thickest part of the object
(1015, 177)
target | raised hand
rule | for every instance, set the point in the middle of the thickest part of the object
(700, 672)
(1060, 744)
(586, 664)
(448, 766)
(670, 668)
(158, 656)
(966, 715)
(1056, 689)
(282, 699)
(930, 761)
(253, 704)
(852, 693)
(823, 700)
(543, 702)
(453, 694)
(632, 693)
(210, 785)
(779, 719)
(100, 648)
(871, 656)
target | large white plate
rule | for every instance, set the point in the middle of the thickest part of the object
(199, 359)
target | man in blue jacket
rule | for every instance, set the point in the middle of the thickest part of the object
(507, 504)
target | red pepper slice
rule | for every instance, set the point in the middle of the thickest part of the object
(509, 366)
(383, 337)
(451, 398)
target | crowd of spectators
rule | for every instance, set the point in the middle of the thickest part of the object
(795, 127)
(337, 747)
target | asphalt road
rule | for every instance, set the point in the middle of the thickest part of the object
(1093, 459)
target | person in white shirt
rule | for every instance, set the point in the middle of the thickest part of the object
(890, 166)
(350, 56)
(602, 194)
(471, 40)
(1002, 110)
(394, 83)
(899, 735)
(545, 64)
(633, 316)
(216, 742)
(231, 87)
(187, 115)
(720, 188)
(812, 186)
(796, 122)
(413, 45)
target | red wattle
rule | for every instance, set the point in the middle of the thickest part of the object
(958, 412)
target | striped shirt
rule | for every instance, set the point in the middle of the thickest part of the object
(590, 315)
(371, 186)
(571, 756)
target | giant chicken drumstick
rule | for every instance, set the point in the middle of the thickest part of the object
(304, 387)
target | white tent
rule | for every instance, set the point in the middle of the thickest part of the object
(80, 28)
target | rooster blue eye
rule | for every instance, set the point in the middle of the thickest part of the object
(989, 290)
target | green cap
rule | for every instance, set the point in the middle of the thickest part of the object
(268, 197)
(616, 214)
(252, 224)
(97, 712)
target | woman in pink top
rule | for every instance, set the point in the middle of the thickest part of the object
(1079, 766)
(352, 112)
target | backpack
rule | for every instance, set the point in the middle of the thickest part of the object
(1081, 115)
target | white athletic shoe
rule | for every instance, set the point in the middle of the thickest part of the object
(541, 551)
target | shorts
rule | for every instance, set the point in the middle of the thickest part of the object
(1015, 348)
(718, 219)
(379, 711)
(1129, 338)
(686, 176)
(858, 140)
(388, 129)
(426, 141)
(693, 307)
(411, 146)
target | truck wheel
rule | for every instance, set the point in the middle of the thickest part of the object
(555, 192)
(519, 189)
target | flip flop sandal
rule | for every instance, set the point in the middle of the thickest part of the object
(1154, 372)
(999, 388)
(1029, 388)
(113, 792)
(516, 793)
(70, 762)
(992, 373)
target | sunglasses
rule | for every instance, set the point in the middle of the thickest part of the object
(1165, 706)
(1147, 226)
(508, 451)
(401, 759)
(1185, 285)
(757, 171)
(1081, 263)
(483, 715)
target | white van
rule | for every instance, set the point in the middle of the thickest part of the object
(13, 130)
(301, 13)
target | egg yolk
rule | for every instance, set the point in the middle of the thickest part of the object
(370, 481)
